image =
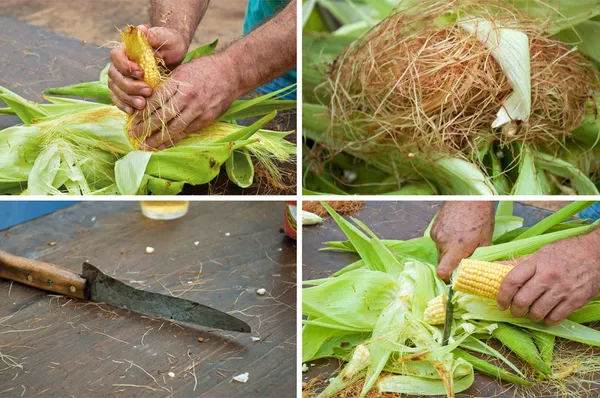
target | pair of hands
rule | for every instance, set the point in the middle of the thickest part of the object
(548, 285)
(197, 93)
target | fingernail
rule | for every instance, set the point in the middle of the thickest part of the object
(161, 147)
(146, 92)
(128, 109)
(138, 75)
(139, 103)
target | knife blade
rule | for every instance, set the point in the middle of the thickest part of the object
(96, 286)
(449, 316)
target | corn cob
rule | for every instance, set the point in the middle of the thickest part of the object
(140, 51)
(480, 278)
(435, 313)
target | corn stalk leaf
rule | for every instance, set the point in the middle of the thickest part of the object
(202, 51)
(240, 168)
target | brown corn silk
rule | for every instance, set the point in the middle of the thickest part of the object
(411, 82)
(140, 51)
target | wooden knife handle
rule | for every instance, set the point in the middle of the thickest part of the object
(42, 275)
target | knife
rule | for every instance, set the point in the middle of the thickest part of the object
(93, 285)
(448, 319)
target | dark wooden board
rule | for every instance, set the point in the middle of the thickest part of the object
(73, 348)
(33, 59)
(393, 220)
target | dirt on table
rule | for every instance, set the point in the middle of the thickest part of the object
(97, 21)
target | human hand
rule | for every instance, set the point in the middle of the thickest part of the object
(125, 78)
(554, 282)
(459, 229)
(197, 93)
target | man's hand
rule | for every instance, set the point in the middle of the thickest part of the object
(125, 78)
(555, 281)
(459, 229)
(197, 93)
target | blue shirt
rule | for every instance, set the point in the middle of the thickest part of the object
(258, 12)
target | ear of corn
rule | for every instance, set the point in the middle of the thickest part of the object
(95, 157)
(435, 313)
(480, 278)
(140, 51)
(398, 335)
(521, 343)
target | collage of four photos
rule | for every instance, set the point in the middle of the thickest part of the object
(300, 198)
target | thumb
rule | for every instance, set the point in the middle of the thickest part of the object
(449, 262)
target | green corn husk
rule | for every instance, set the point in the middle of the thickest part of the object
(378, 302)
(545, 170)
(77, 147)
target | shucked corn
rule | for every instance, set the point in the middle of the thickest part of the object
(140, 51)
(435, 313)
(480, 278)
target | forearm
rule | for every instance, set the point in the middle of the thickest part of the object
(183, 16)
(266, 53)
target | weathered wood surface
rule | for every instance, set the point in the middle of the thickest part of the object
(74, 348)
(396, 220)
(33, 59)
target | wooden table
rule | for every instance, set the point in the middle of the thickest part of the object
(393, 220)
(33, 59)
(74, 348)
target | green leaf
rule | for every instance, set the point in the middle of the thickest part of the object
(97, 90)
(240, 168)
(202, 51)
(130, 170)
(556, 218)
(28, 111)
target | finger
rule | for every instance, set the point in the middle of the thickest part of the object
(120, 104)
(154, 35)
(513, 281)
(176, 131)
(560, 313)
(135, 102)
(543, 306)
(155, 122)
(161, 108)
(129, 86)
(525, 297)
(124, 65)
(449, 262)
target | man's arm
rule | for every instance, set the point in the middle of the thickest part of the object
(200, 91)
(555, 281)
(183, 16)
(267, 52)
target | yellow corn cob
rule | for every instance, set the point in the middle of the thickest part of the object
(480, 278)
(435, 313)
(140, 51)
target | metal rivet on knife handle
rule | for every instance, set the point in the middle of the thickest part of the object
(41, 275)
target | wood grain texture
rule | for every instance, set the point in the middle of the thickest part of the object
(41, 275)
(72, 347)
(401, 220)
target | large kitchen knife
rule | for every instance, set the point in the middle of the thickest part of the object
(93, 285)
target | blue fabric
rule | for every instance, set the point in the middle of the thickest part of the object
(13, 213)
(592, 212)
(258, 12)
